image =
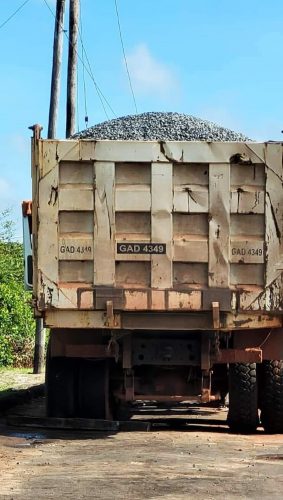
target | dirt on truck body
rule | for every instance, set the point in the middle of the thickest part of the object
(158, 268)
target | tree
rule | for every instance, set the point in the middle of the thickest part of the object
(16, 318)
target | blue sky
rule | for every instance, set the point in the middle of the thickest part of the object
(220, 60)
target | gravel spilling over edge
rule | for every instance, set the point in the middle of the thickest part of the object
(159, 126)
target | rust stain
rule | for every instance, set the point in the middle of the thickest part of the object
(241, 159)
(278, 232)
(53, 195)
(242, 322)
(49, 296)
(136, 300)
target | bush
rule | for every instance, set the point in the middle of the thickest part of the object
(17, 325)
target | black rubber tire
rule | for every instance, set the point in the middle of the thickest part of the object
(93, 389)
(59, 387)
(272, 396)
(243, 398)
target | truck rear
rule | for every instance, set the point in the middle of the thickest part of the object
(157, 267)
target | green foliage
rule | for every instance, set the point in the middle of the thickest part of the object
(16, 318)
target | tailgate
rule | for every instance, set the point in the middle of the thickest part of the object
(157, 226)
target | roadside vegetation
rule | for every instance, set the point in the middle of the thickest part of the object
(16, 317)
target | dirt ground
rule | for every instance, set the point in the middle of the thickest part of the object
(189, 453)
(14, 379)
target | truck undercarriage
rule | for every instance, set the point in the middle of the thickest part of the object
(98, 374)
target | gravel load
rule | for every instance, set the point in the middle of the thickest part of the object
(158, 126)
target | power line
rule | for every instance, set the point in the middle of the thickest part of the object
(99, 93)
(14, 13)
(124, 54)
(84, 85)
(89, 71)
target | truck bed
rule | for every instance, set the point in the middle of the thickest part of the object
(158, 227)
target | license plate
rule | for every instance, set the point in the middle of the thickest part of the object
(141, 248)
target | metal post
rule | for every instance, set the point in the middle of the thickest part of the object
(56, 68)
(72, 68)
(39, 348)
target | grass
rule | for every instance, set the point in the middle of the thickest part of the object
(15, 378)
(15, 370)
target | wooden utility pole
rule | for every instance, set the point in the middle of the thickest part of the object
(72, 68)
(56, 68)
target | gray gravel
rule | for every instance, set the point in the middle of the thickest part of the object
(159, 126)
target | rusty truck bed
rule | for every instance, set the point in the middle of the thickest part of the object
(187, 234)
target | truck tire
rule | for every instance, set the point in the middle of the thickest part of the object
(272, 396)
(243, 398)
(93, 389)
(59, 386)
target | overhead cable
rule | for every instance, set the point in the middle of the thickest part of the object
(89, 71)
(124, 54)
(14, 13)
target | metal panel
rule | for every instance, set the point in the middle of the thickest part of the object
(184, 300)
(75, 222)
(132, 173)
(133, 226)
(47, 250)
(133, 274)
(248, 201)
(123, 151)
(219, 225)
(76, 271)
(246, 250)
(191, 249)
(76, 248)
(133, 198)
(247, 176)
(76, 173)
(189, 274)
(79, 319)
(247, 274)
(104, 224)
(76, 199)
(161, 223)
(212, 152)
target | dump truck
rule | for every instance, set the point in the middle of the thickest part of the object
(157, 266)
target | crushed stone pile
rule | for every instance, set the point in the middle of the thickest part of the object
(159, 126)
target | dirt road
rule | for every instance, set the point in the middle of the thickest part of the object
(195, 458)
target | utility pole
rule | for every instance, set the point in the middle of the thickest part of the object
(39, 349)
(72, 68)
(56, 68)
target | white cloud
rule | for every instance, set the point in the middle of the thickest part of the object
(4, 188)
(148, 75)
